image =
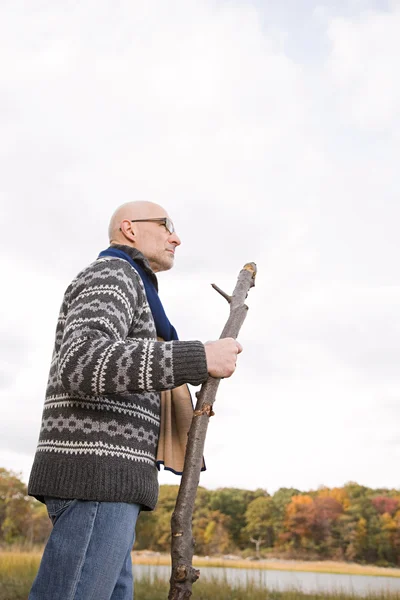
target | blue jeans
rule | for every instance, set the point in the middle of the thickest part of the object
(88, 554)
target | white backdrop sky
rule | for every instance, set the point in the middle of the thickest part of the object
(270, 132)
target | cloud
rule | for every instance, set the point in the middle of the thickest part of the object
(362, 63)
(263, 149)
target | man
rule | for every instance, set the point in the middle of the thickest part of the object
(95, 465)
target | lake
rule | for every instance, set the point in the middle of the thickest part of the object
(285, 580)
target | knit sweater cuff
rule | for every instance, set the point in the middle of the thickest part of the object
(190, 364)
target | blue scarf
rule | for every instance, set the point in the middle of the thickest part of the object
(163, 327)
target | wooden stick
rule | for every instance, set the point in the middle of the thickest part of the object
(183, 575)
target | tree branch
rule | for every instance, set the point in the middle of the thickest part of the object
(183, 574)
(223, 294)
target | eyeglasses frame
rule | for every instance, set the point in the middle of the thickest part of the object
(166, 220)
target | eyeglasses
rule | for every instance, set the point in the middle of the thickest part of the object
(166, 221)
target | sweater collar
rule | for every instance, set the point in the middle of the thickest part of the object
(138, 257)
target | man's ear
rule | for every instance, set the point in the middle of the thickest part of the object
(127, 230)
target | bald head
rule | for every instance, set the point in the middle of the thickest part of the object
(129, 211)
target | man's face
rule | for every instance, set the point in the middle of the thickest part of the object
(157, 244)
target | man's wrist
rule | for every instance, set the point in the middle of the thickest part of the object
(189, 362)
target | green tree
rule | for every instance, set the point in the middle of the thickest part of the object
(153, 530)
(281, 499)
(233, 502)
(40, 525)
(260, 522)
(361, 538)
(15, 507)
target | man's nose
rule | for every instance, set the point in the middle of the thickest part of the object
(174, 239)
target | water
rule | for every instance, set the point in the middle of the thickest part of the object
(286, 580)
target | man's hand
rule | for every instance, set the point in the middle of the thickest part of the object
(221, 357)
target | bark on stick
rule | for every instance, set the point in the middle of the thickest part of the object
(183, 574)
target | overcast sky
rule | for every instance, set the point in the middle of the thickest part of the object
(270, 132)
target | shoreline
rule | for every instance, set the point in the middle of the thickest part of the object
(273, 564)
(143, 557)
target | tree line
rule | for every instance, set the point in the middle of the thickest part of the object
(353, 523)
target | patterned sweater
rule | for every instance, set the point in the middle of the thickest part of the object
(101, 416)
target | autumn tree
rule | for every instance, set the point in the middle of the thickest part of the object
(386, 544)
(216, 537)
(299, 520)
(384, 504)
(338, 494)
(324, 531)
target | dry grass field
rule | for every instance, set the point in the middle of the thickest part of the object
(18, 569)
